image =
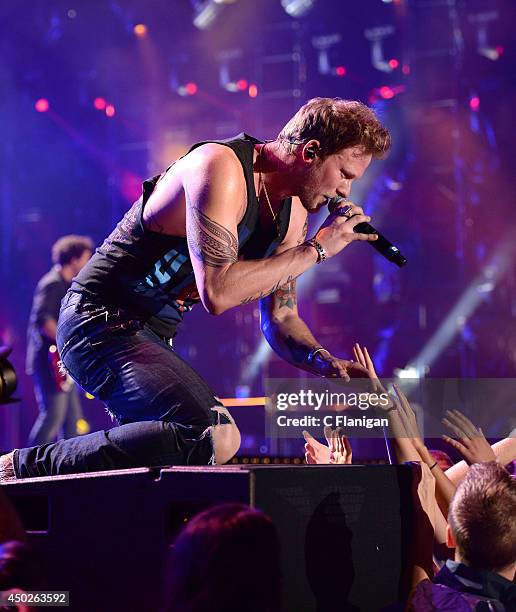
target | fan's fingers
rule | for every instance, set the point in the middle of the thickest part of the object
(356, 354)
(308, 437)
(328, 434)
(453, 427)
(369, 362)
(458, 423)
(360, 355)
(339, 435)
(456, 445)
(468, 427)
(403, 400)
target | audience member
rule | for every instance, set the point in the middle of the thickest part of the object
(226, 559)
(482, 529)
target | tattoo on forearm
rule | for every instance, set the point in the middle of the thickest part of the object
(211, 242)
(303, 233)
(286, 295)
(263, 294)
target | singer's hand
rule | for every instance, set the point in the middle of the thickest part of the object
(328, 366)
(337, 231)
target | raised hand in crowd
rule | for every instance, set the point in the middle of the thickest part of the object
(420, 566)
(363, 358)
(471, 442)
(505, 453)
(337, 451)
(409, 446)
(445, 489)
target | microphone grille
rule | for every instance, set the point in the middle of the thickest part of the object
(334, 202)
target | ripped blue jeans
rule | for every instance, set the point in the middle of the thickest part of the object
(115, 357)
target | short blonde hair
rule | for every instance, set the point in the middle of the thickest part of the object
(482, 517)
(337, 124)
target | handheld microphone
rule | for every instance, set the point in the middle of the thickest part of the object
(381, 244)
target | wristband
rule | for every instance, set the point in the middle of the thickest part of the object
(313, 353)
(321, 253)
(433, 466)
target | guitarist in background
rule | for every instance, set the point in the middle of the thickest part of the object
(56, 394)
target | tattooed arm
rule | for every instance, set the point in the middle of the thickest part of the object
(215, 192)
(204, 195)
(281, 324)
(285, 331)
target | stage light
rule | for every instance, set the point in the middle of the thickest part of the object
(376, 37)
(393, 63)
(42, 105)
(474, 103)
(478, 291)
(340, 71)
(408, 372)
(323, 44)
(99, 103)
(110, 110)
(297, 8)
(482, 21)
(405, 69)
(386, 92)
(206, 13)
(253, 90)
(241, 84)
(140, 30)
(191, 89)
(72, 14)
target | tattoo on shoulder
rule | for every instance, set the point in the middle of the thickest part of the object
(211, 242)
(303, 232)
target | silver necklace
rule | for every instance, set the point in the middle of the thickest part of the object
(262, 183)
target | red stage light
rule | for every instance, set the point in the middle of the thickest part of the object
(474, 103)
(393, 63)
(140, 30)
(191, 89)
(500, 50)
(340, 71)
(241, 84)
(110, 110)
(386, 92)
(99, 103)
(42, 105)
(253, 90)
(405, 69)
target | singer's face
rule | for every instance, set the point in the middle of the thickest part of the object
(330, 177)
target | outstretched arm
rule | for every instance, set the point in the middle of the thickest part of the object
(504, 450)
(285, 330)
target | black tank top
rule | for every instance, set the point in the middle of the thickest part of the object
(151, 274)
